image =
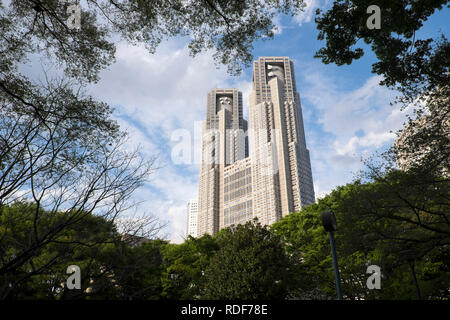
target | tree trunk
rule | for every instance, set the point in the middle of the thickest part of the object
(416, 284)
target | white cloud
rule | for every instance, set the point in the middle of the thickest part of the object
(163, 91)
(137, 139)
(309, 11)
(165, 197)
(278, 26)
(177, 215)
(346, 126)
(154, 95)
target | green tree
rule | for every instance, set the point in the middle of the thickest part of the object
(417, 68)
(309, 245)
(251, 263)
(413, 66)
(110, 267)
(43, 272)
(227, 27)
(407, 216)
(127, 272)
(375, 226)
(404, 212)
(185, 265)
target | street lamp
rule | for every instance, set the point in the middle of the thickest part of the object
(330, 225)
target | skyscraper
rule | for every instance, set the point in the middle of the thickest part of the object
(192, 218)
(275, 178)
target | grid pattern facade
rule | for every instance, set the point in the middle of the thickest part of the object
(192, 219)
(237, 195)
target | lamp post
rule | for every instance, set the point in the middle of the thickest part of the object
(330, 225)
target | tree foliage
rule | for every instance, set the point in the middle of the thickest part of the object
(227, 27)
(59, 148)
(394, 223)
(185, 264)
(403, 215)
(251, 263)
(110, 267)
(413, 66)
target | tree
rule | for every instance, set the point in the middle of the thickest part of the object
(413, 66)
(228, 27)
(129, 272)
(59, 148)
(408, 216)
(308, 244)
(43, 273)
(185, 264)
(110, 267)
(375, 227)
(417, 68)
(53, 177)
(251, 263)
(407, 211)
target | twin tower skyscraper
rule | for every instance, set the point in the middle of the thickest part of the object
(260, 170)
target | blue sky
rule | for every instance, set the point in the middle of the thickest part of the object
(160, 97)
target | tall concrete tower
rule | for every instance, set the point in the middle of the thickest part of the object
(278, 140)
(276, 178)
(224, 142)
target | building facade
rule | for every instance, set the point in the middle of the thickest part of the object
(192, 218)
(267, 178)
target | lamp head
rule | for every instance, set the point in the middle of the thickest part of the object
(329, 221)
